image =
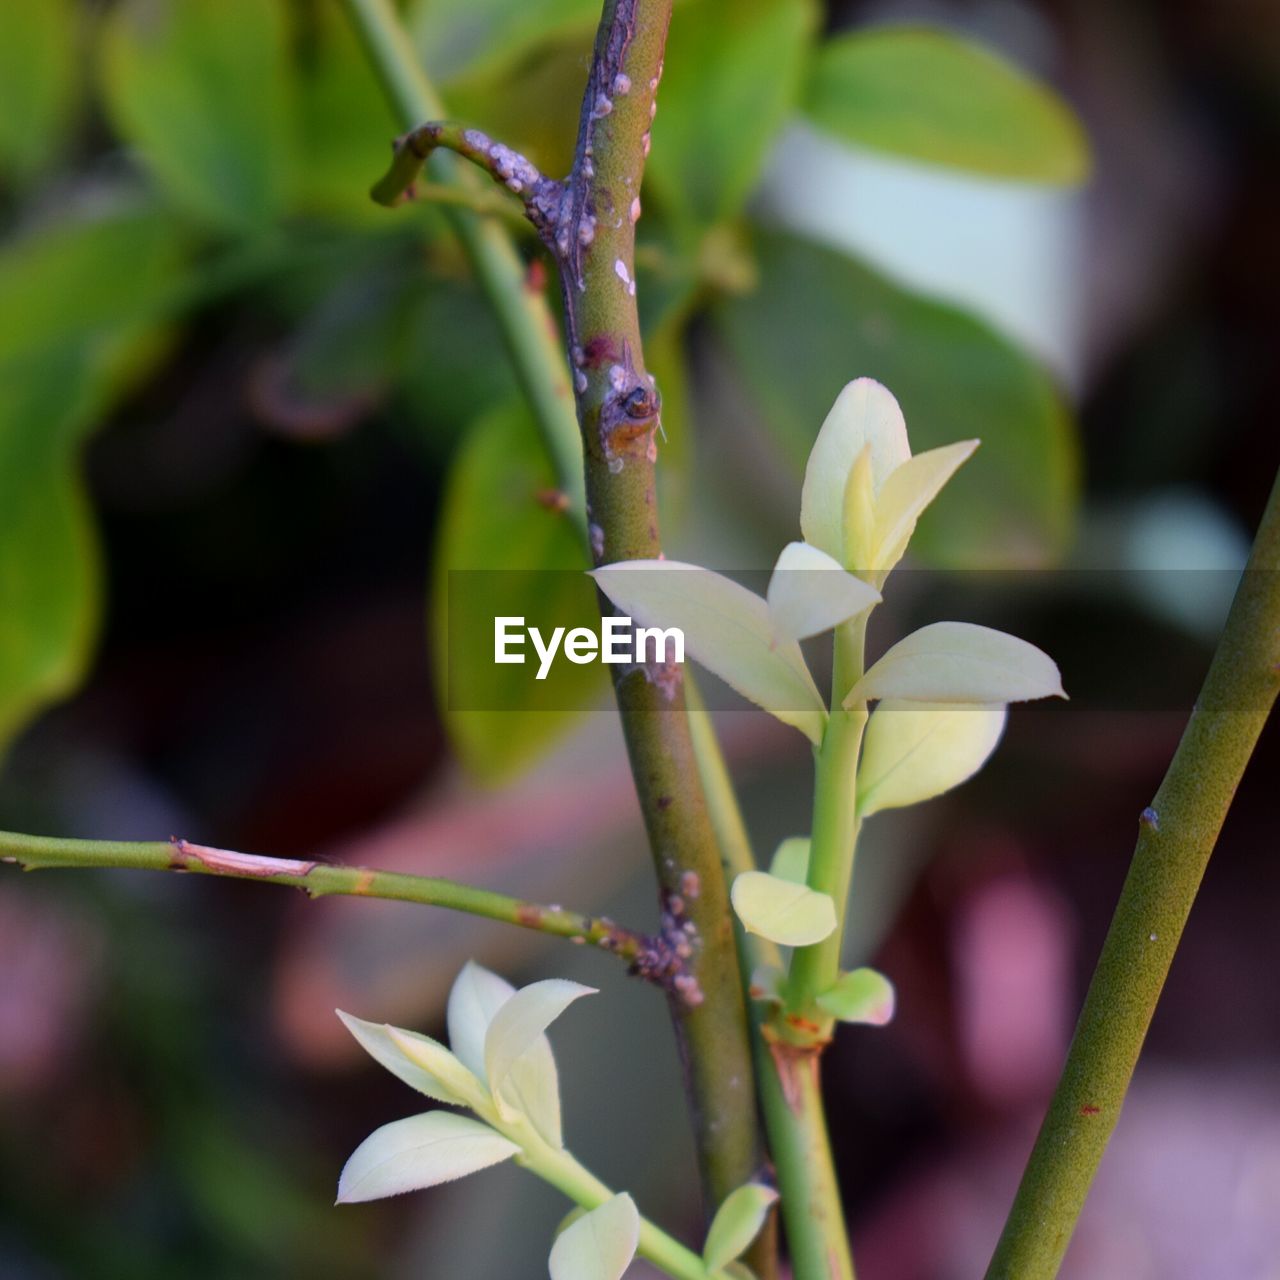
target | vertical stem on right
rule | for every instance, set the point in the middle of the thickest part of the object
(1177, 834)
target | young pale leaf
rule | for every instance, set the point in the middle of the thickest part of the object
(532, 1085)
(791, 860)
(860, 514)
(792, 915)
(914, 752)
(861, 996)
(727, 628)
(418, 1152)
(519, 1024)
(429, 1069)
(477, 995)
(907, 492)
(736, 1224)
(930, 96)
(738, 1271)
(810, 592)
(1008, 399)
(570, 1218)
(960, 662)
(600, 1245)
(864, 415)
(438, 1062)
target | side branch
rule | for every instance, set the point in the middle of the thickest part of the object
(1177, 834)
(322, 879)
(541, 196)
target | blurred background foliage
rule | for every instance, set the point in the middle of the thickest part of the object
(249, 421)
(232, 143)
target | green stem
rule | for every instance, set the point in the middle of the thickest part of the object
(528, 327)
(789, 1086)
(1176, 837)
(592, 235)
(835, 832)
(810, 1195)
(563, 1172)
(618, 410)
(318, 879)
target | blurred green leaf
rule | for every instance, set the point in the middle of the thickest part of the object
(458, 37)
(343, 355)
(931, 96)
(732, 77)
(80, 301)
(38, 44)
(533, 104)
(79, 304)
(455, 368)
(346, 123)
(88, 281)
(45, 405)
(49, 594)
(495, 518)
(820, 318)
(203, 88)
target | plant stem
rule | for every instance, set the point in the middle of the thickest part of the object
(528, 327)
(563, 1172)
(1176, 837)
(590, 229)
(318, 880)
(618, 409)
(810, 1195)
(789, 1090)
(835, 833)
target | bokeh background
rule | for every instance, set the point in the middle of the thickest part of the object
(247, 424)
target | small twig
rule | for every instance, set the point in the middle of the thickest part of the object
(1176, 836)
(322, 879)
(528, 328)
(540, 196)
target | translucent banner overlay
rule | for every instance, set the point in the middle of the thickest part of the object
(1124, 640)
